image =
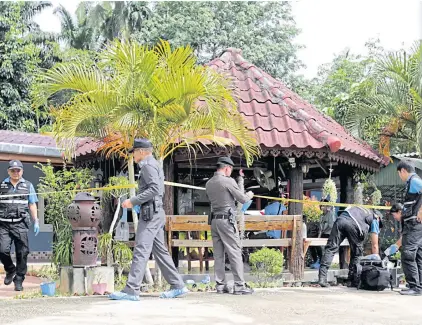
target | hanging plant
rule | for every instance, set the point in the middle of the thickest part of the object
(311, 210)
(376, 197)
(329, 190)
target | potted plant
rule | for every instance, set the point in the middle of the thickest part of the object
(51, 274)
(99, 287)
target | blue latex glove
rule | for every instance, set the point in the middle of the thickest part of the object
(246, 205)
(36, 228)
(137, 209)
(393, 249)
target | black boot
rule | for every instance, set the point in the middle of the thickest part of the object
(18, 283)
(323, 282)
(9, 278)
(322, 277)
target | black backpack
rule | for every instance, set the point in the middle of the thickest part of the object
(373, 277)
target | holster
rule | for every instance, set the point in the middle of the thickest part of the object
(147, 211)
(210, 217)
(232, 217)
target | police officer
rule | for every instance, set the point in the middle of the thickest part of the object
(150, 233)
(223, 191)
(354, 223)
(17, 201)
(411, 229)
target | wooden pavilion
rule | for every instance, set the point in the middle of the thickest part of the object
(299, 145)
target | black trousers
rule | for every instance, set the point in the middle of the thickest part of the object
(344, 227)
(411, 255)
(18, 234)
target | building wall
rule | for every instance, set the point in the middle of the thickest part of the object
(42, 242)
(388, 176)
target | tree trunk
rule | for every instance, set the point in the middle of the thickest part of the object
(132, 192)
(297, 265)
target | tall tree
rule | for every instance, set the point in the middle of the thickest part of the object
(19, 57)
(396, 102)
(265, 31)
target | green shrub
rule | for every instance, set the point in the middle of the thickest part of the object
(266, 264)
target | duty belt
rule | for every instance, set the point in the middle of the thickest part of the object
(11, 220)
(220, 216)
(409, 218)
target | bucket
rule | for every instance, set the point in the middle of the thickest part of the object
(48, 289)
(99, 288)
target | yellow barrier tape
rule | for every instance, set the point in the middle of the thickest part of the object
(106, 188)
(120, 187)
(378, 207)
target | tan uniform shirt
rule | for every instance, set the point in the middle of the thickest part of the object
(223, 192)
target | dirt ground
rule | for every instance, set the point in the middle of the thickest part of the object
(337, 305)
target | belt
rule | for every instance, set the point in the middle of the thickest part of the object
(221, 216)
(11, 220)
(409, 218)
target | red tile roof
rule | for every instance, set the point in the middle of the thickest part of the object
(32, 139)
(280, 117)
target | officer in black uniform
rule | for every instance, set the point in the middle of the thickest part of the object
(411, 219)
(354, 223)
(17, 202)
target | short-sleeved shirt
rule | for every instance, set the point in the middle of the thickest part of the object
(375, 227)
(415, 184)
(274, 209)
(32, 197)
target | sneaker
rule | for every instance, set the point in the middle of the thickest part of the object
(411, 292)
(119, 295)
(224, 289)
(9, 278)
(246, 290)
(174, 293)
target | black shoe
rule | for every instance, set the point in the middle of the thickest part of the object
(351, 284)
(246, 290)
(224, 290)
(18, 286)
(323, 283)
(411, 292)
(9, 278)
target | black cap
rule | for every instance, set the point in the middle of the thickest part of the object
(15, 164)
(225, 161)
(396, 207)
(140, 144)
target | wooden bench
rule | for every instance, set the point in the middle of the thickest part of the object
(284, 223)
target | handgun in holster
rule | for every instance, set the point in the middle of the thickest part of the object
(232, 217)
(210, 217)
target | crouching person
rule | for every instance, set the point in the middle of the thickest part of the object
(354, 223)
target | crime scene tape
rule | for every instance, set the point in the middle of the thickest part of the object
(377, 207)
(129, 186)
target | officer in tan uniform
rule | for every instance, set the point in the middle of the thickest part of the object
(223, 192)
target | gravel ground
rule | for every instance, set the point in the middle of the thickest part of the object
(337, 305)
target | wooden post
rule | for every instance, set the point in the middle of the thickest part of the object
(346, 196)
(296, 191)
(297, 265)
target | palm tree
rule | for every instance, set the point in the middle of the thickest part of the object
(136, 91)
(76, 33)
(396, 103)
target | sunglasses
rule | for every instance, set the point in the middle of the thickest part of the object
(17, 170)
